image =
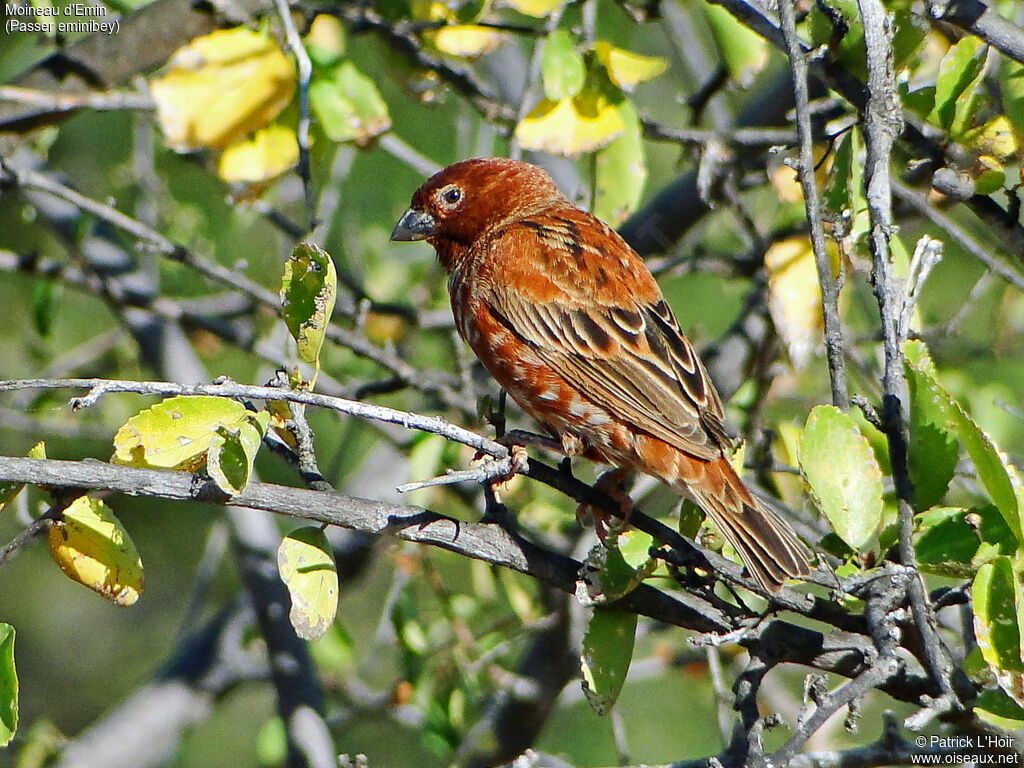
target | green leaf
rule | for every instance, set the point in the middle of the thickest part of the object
(306, 564)
(921, 101)
(607, 653)
(8, 686)
(849, 53)
(933, 450)
(997, 602)
(92, 547)
(994, 470)
(621, 171)
(308, 292)
(743, 51)
(348, 105)
(957, 91)
(233, 452)
(946, 544)
(46, 298)
(1011, 82)
(176, 433)
(562, 69)
(993, 467)
(993, 706)
(272, 742)
(842, 474)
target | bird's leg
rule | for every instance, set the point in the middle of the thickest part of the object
(609, 483)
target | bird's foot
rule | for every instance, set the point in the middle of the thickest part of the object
(518, 458)
(610, 483)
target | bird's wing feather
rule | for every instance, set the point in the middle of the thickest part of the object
(619, 347)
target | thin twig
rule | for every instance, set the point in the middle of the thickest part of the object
(981, 252)
(982, 21)
(305, 67)
(812, 203)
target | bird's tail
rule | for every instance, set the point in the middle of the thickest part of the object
(766, 544)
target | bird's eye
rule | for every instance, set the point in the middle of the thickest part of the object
(451, 196)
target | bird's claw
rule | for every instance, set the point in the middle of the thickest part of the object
(609, 483)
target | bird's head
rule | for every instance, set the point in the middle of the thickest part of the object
(459, 204)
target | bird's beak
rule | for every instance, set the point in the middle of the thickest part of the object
(414, 225)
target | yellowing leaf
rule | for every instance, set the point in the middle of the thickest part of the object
(176, 433)
(794, 297)
(308, 291)
(233, 452)
(997, 600)
(628, 69)
(306, 565)
(348, 105)
(570, 127)
(536, 8)
(265, 156)
(222, 87)
(92, 547)
(467, 40)
(325, 40)
(996, 139)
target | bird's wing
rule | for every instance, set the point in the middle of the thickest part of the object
(572, 290)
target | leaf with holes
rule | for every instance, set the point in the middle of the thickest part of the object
(306, 564)
(176, 433)
(233, 452)
(607, 653)
(308, 292)
(998, 602)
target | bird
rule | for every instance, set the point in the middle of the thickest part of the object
(569, 321)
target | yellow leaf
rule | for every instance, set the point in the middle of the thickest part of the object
(176, 433)
(467, 40)
(305, 562)
(570, 127)
(265, 156)
(536, 8)
(787, 185)
(92, 547)
(996, 139)
(794, 297)
(628, 69)
(222, 87)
